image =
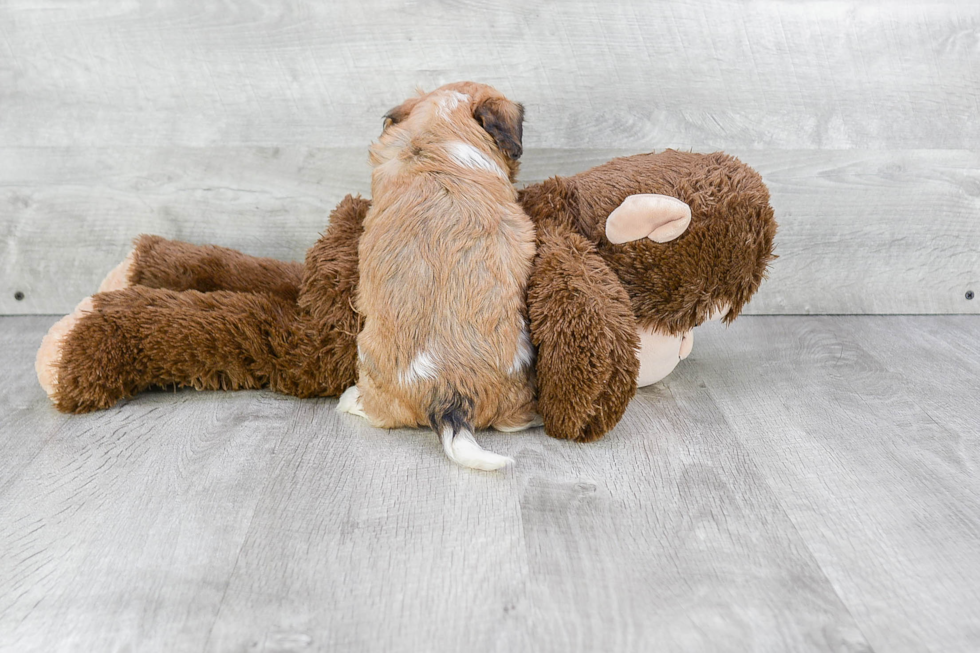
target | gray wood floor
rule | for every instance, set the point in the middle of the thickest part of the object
(798, 484)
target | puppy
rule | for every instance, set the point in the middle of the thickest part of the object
(444, 262)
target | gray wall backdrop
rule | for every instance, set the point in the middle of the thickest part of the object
(242, 122)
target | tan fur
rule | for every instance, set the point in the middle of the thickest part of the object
(444, 262)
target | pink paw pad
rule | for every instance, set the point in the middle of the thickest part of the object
(49, 354)
(118, 277)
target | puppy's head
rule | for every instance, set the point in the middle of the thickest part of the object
(476, 114)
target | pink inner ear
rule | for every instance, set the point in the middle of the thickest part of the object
(660, 218)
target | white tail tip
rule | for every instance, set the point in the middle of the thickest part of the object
(464, 451)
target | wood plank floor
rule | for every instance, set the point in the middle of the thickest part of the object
(798, 484)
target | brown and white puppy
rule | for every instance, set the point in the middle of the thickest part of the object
(444, 262)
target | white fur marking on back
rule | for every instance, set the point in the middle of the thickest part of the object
(449, 101)
(422, 367)
(524, 355)
(464, 450)
(469, 157)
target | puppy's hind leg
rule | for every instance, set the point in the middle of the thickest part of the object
(522, 412)
(535, 422)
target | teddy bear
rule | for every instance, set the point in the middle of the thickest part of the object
(631, 256)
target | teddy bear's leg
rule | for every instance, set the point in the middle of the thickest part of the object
(119, 343)
(156, 262)
(583, 326)
(118, 277)
(49, 353)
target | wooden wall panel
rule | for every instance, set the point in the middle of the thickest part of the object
(244, 122)
(860, 231)
(630, 74)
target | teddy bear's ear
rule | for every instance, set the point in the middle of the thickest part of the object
(660, 218)
(504, 121)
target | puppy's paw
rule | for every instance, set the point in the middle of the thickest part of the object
(350, 402)
(660, 218)
(118, 278)
(49, 354)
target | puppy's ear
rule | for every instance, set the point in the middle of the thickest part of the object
(399, 113)
(504, 121)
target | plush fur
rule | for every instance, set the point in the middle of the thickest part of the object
(719, 261)
(145, 336)
(231, 322)
(209, 267)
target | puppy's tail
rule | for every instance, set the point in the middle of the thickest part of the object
(452, 420)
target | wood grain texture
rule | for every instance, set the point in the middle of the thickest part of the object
(798, 484)
(579, 549)
(866, 429)
(126, 534)
(26, 421)
(247, 521)
(121, 529)
(244, 123)
(860, 231)
(626, 73)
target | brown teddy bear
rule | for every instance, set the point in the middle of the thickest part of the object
(632, 255)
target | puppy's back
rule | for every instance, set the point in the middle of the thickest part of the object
(445, 257)
(442, 292)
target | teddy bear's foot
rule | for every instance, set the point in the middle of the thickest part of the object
(49, 354)
(119, 277)
(659, 354)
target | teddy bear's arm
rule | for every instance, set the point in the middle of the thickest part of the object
(173, 265)
(330, 271)
(585, 333)
(325, 336)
